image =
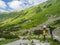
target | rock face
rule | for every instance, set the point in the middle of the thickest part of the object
(56, 34)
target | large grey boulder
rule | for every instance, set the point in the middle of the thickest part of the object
(56, 34)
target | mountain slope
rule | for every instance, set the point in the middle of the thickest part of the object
(32, 16)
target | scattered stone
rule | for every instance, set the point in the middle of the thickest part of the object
(27, 42)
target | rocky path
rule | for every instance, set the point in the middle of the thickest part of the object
(23, 42)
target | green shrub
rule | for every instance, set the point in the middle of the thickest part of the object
(38, 32)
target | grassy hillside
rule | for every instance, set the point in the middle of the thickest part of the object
(11, 15)
(30, 17)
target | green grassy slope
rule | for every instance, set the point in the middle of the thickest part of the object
(10, 15)
(32, 16)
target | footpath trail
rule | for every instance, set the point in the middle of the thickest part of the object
(23, 42)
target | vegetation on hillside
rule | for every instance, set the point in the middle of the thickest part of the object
(28, 18)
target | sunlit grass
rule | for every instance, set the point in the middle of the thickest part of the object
(7, 41)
